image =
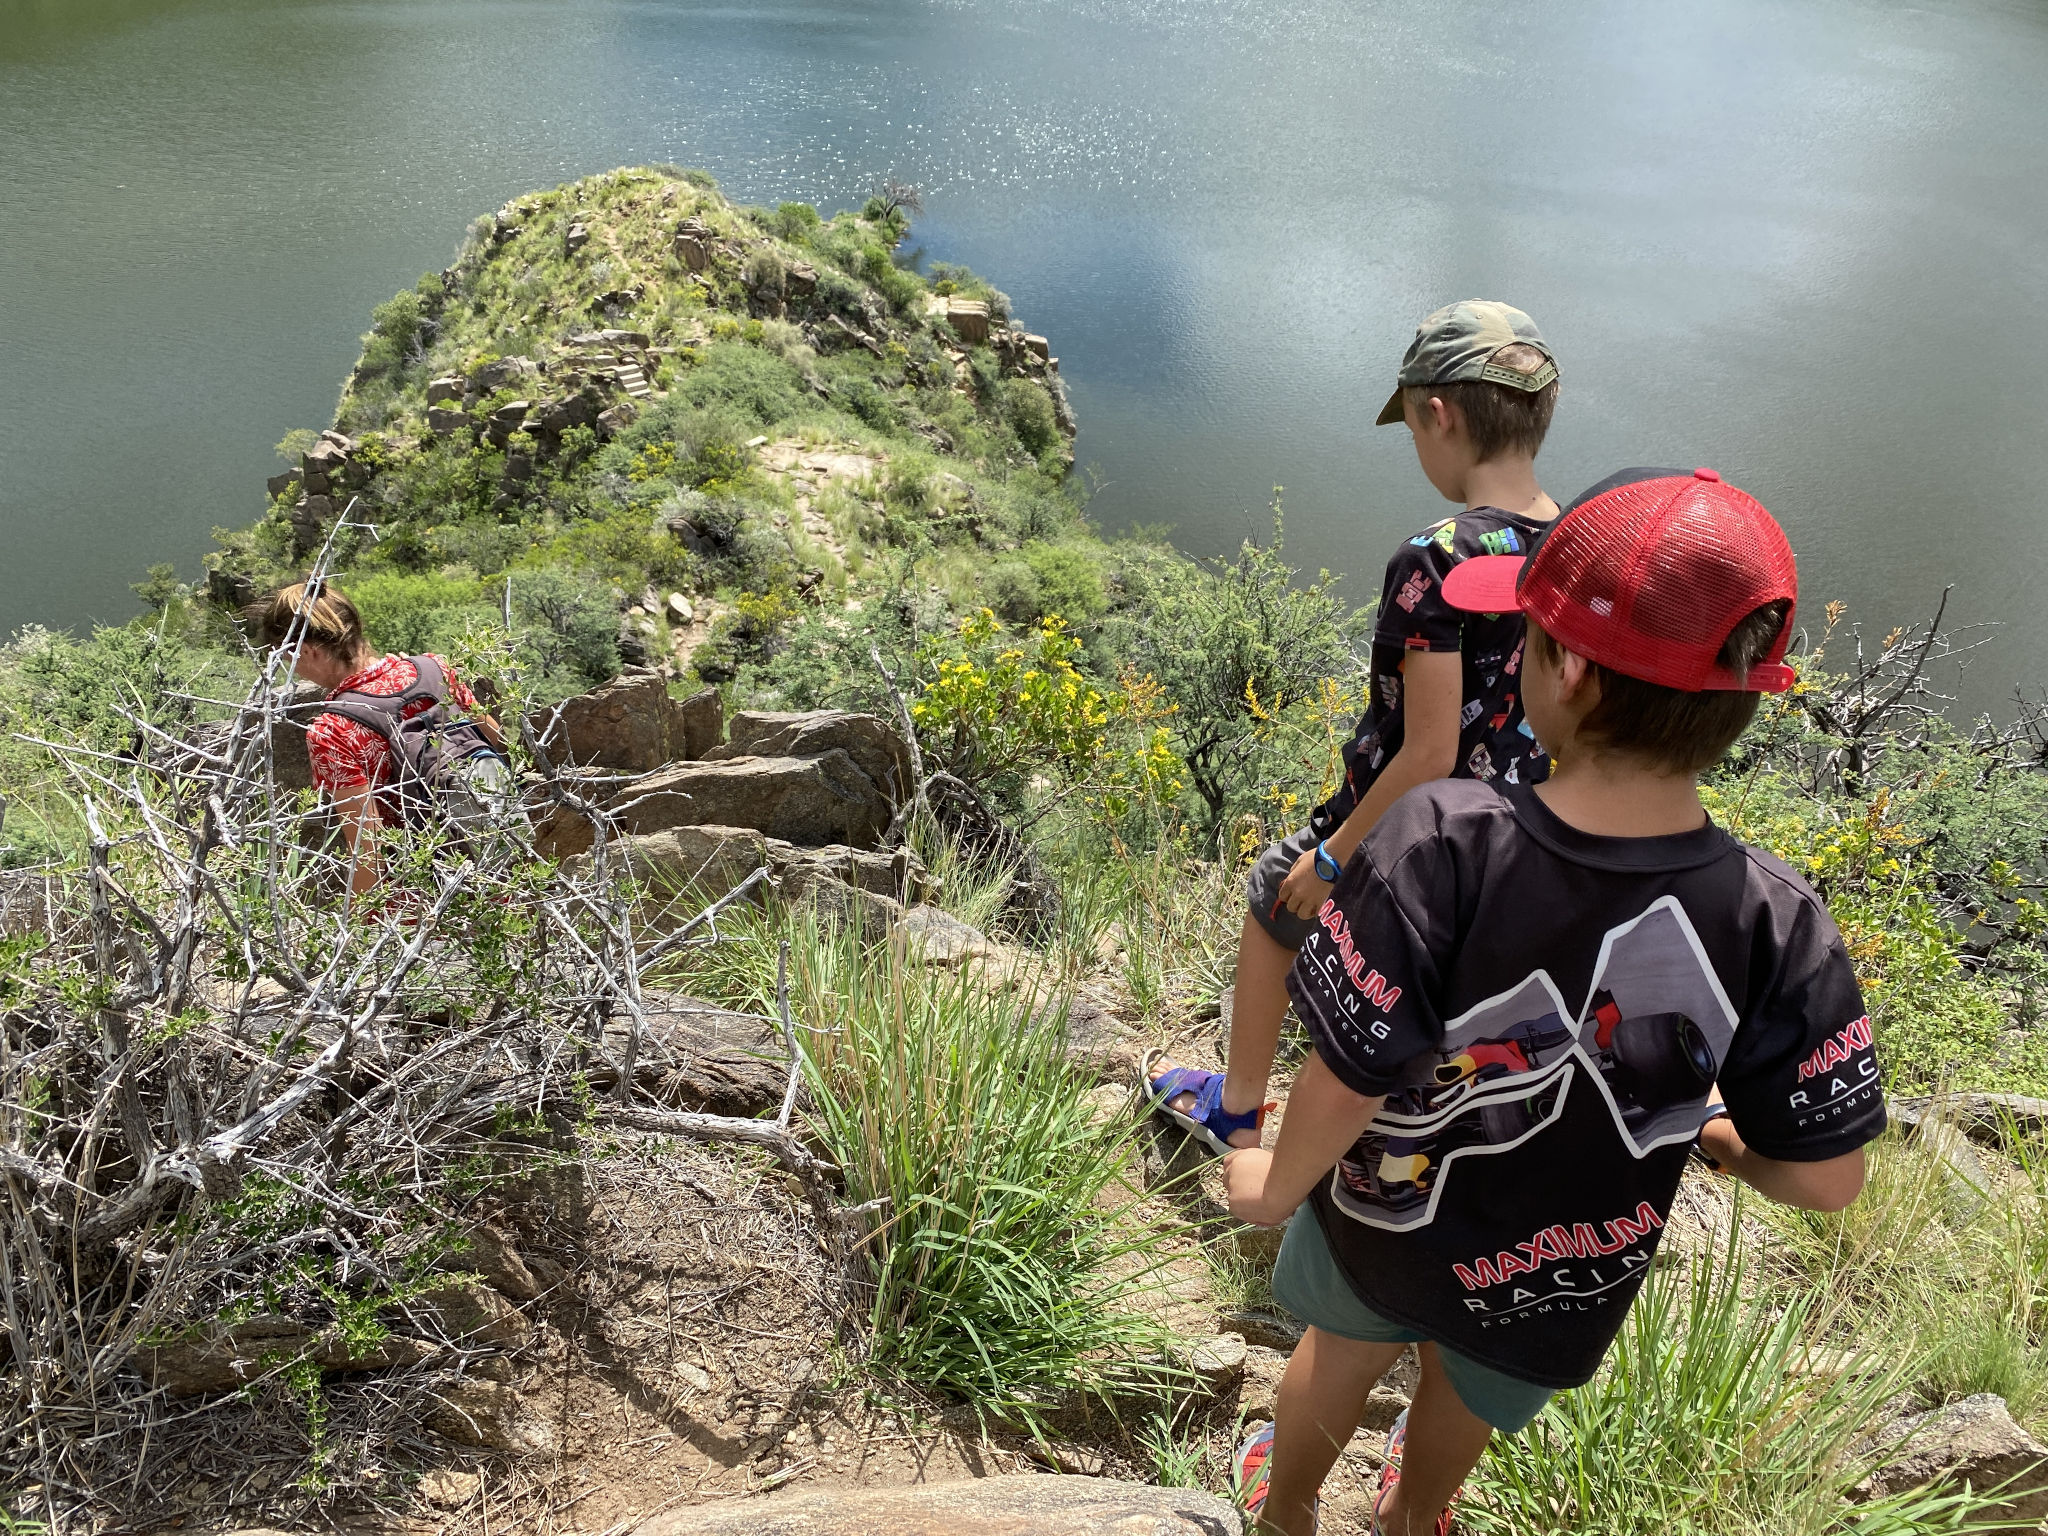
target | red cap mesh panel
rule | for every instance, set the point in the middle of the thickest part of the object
(1650, 578)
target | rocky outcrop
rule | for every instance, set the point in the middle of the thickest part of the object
(838, 879)
(630, 725)
(969, 319)
(700, 1057)
(870, 741)
(1974, 1442)
(1023, 1504)
(1986, 1117)
(937, 937)
(811, 800)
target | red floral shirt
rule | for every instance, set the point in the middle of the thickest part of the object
(347, 755)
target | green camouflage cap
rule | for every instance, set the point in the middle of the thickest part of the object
(1456, 345)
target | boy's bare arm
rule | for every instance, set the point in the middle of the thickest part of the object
(1323, 1118)
(1432, 681)
(1822, 1186)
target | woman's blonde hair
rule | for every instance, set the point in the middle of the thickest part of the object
(319, 612)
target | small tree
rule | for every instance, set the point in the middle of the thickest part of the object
(1236, 645)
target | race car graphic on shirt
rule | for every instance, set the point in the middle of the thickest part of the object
(1648, 1043)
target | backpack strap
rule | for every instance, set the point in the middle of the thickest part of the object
(385, 712)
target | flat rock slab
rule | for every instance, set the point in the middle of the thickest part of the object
(805, 800)
(1026, 1504)
(870, 741)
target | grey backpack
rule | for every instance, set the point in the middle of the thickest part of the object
(444, 771)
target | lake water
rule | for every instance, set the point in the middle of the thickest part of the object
(1805, 244)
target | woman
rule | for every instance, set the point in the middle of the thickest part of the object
(404, 737)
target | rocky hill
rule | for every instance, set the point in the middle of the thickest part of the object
(628, 393)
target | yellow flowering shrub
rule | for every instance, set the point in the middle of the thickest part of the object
(995, 704)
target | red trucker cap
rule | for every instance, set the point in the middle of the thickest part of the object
(1647, 573)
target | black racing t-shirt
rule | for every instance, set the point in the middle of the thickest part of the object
(1493, 740)
(1545, 1011)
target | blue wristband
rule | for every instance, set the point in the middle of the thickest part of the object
(1327, 868)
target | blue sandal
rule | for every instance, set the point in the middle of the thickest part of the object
(1209, 1122)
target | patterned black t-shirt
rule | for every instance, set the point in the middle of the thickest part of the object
(1546, 1011)
(1413, 616)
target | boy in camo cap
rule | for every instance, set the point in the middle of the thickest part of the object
(1476, 391)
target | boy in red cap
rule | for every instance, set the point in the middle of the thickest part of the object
(1528, 1004)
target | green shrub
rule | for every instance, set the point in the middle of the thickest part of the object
(1246, 656)
(1069, 580)
(410, 613)
(795, 222)
(1028, 409)
(758, 385)
(1011, 589)
(858, 394)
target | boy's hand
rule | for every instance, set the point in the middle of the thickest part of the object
(1244, 1178)
(1304, 891)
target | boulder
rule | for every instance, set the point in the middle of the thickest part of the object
(309, 518)
(1981, 1116)
(504, 371)
(558, 416)
(630, 725)
(323, 458)
(708, 859)
(811, 800)
(619, 417)
(1973, 1441)
(577, 237)
(1218, 1362)
(969, 317)
(703, 720)
(837, 879)
(1964, 1177)
(281, 485)
(1021, 1504)
(801, 280)
(1266, 1329)
(939, 938)
(868, 739)
(1098, 1043)
(443, 421)
(700, 1057)
(449, 387)
(489, 1414)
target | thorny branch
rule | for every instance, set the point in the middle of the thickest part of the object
(224, 1085)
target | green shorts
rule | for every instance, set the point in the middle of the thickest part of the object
(1308, 1282)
